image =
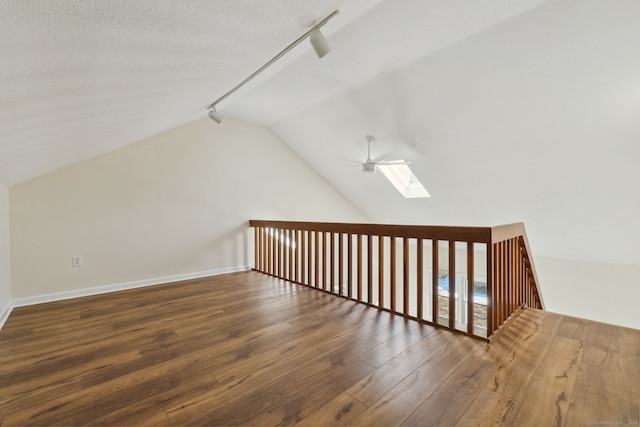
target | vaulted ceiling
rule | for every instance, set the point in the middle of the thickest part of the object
(509, 110)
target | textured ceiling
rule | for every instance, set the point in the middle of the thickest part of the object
(510, 110)
(79, 78)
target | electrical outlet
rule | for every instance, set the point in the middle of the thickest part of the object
(76, 261)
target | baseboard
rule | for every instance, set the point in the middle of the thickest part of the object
(4, 314)
(21, 302)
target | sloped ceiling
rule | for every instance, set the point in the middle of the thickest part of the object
(509, 110)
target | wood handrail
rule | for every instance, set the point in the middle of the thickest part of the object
(462, 234)
(307, 253)
(500, 233)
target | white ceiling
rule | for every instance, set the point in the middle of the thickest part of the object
(510, 110)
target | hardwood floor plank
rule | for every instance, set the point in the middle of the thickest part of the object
(20, 369)
(629, 413)
(489, 409)
(315, 356)
(629, 366)
(548, 394)
(19, 393)
(278, 394)
(299, 347)
(601, 346)
(388, 349)
(595, 399)
(393, 325)
(517, 364)
(311, 393)
(151, 409)
(338, 412)
(574, 328)
(99, 400)
(396, 405)
(442, 407)
(383, 379)
(159, 420)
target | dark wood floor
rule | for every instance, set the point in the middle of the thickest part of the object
(247, 349)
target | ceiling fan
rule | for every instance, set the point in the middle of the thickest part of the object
(370, 165)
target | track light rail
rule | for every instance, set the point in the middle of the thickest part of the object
(274, 59)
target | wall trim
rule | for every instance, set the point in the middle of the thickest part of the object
(4, 314)
(59, 296)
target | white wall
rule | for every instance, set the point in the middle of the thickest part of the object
(604, 292)
(5, 265)
(173, 204)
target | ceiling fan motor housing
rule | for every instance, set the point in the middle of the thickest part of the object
(369, 167)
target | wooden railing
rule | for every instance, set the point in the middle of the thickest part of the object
(469, 279)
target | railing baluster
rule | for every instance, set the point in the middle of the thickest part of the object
(290, 242)
(514, 274)
(381, 271)
(324, 261)
(303, 257)
(269, 245)
(508, 281)
(272, 237)
(349, 264)
(405, 275)
(275, 252)
(470, 288)
(340, 264)
(256, 248)
(522, 271)
(283, 254)
(501, 298)
(280, 254)
(500, 284)
(369, 269)
(359, 272)
(285, 258)
(269, 250)
(392, 273)
(294, 247)
(503, 283)
(490, 293)
(310, 258)
(505, 273)
(332, 238)
(263, 244)
(420, 280)
(316, 256)
(435, 255)
(452, 284)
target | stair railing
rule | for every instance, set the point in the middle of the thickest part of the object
(467, 279)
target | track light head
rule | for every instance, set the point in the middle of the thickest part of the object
(213, 115)
(319, 43)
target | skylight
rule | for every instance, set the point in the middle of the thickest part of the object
(401, 176)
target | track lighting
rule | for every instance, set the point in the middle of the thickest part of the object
(213, 115)
(318, 42)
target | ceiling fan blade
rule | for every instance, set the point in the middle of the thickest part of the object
(394, 162)
(349, 160)
(380, 158)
